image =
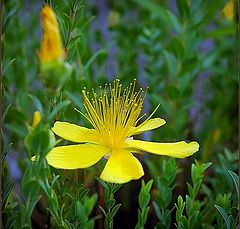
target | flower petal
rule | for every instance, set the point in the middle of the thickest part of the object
(75, 133)
(122, 167)
(148, 125)
(76, 156)
(176, 149)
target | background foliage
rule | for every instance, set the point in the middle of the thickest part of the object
(185, 53)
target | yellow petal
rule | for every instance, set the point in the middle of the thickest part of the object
(76, 156)
(176, 149)
(148, 125)
(75, 133)
(36, 118)
(51, 45)
(122, 167)
(228, 10)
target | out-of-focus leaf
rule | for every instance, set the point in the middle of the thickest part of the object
(172, 91)
(9, 15)
(74, 40)
(6, 191)
(222, 32)
(183, 7)
(92, 59)
(7, 66)
(177, 47)
(89, 203)
(58, 108)
(76, 100)
(5, 151)
(165, 15)
(235, 180)
(36, 102)
(224, 215)
(18, 129)
(114, 210)
(171, 63)
(5, 112)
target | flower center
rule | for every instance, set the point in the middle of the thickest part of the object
(114, 112)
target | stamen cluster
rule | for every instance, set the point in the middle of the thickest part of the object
(115, 112)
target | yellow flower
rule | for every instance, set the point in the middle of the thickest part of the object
(228, 10)
(36, 118)
(51, 46)
(114, 115)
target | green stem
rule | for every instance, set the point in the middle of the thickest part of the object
(1, 142)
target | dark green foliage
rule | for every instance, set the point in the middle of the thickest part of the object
(191, 205)
(111, 208)
(144, 199)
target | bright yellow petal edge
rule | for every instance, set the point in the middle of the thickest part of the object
(148, 125)
(176, 149)
(76, 156)
(75, 133)
(122, 167)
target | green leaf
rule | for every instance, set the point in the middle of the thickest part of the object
(165, 15)
(206, 166)
(177, 47)
(10, 15)
(6, 191)
(222, 32)
(32, 204)
(101, 182)
(60, 106)
(76, 100)
(36, 102)
(148, 186)
(7, 66)
(6, 112)
(144, 215)
(144, 196)
(74, 40)
(171, 63)
(6, 149)
(40, 141)
(235, 180)
(224, 215)
(183, 7)
(92, 59)
(194, 173)
(17, 128)
(103, 211)
(46, 188)
(116, 187)
(157, 210)
(234, 212)
(89, 203)
(180, 207)
(172, 91)
(30, 187)
(114, 210)
(84, 194)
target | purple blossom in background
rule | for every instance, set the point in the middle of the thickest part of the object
(15, 172)
(101, 24)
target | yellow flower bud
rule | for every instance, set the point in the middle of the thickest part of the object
(228, 10)
(51, 46)
(113, 19)
(36, 118)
